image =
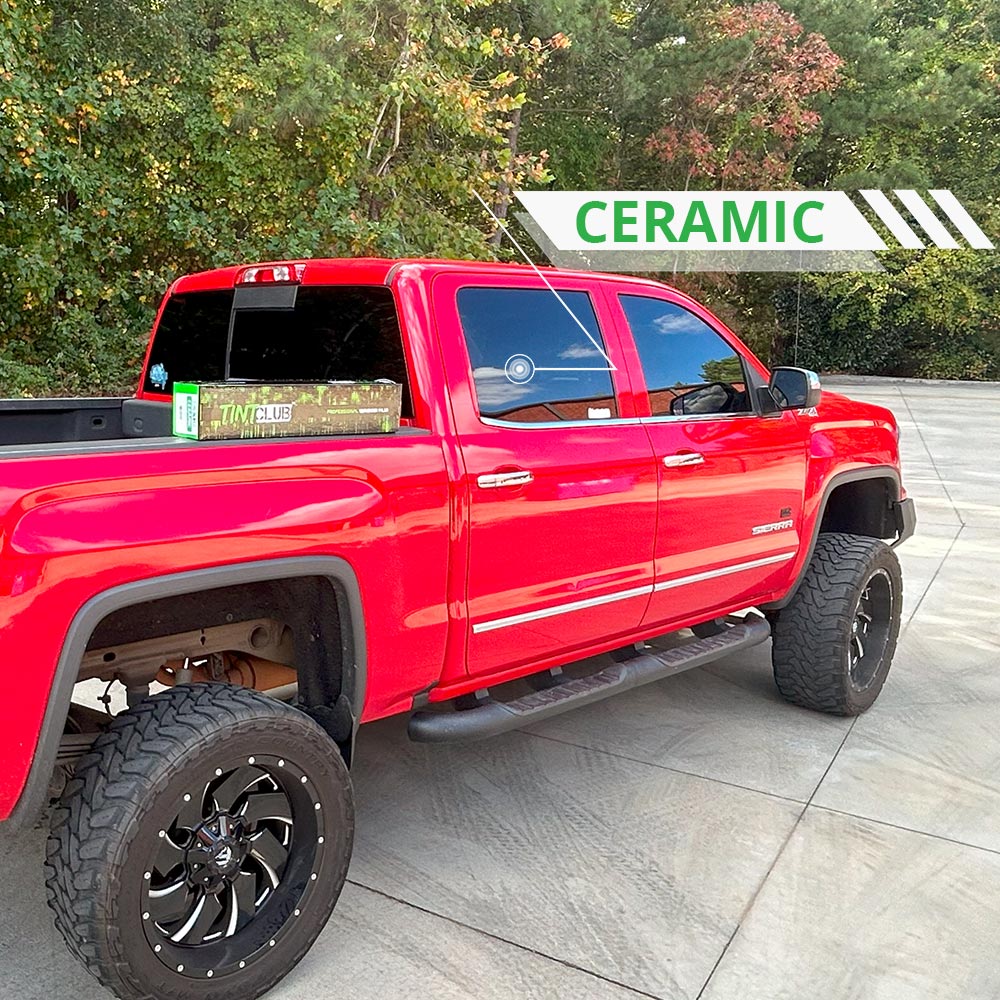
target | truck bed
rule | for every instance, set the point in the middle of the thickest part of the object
(41, 428)
(79, 420)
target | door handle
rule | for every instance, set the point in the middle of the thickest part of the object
(494, 480)
(683, 458)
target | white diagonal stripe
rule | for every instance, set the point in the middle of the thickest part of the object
(546, 282)
(927, 220)
(894, 222)
(961, 219)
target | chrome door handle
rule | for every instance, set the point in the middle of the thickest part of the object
(684, 458)
(496, 479)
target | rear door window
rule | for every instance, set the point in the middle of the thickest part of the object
(533, 362)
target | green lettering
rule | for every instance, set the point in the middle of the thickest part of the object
(697, 221)
(806, 206)
(779, 222)
(622, 220)
(731, 220)
(581, 221)
(226, 407)
(658, 216)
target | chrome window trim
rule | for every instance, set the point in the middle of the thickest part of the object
(630, 421)
(677, 418)
(596, 422)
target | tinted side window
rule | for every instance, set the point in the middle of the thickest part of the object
(531, 361)
(689, 368)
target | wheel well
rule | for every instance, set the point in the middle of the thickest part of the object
(303, 622)
(862, 507)
(331, 647)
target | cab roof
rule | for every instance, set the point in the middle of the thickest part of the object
(377, 271)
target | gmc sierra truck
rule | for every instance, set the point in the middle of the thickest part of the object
(584, 463)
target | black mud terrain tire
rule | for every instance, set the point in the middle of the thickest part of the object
(201, 845)
(833, 643)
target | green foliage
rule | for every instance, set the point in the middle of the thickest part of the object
(141, 139)
(916, 103)
(921, 109)
(723, 370)
(934, 315)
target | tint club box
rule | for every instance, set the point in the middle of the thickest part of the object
(215, 411)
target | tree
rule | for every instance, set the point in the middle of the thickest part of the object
(920, 109)
(728, 369)
(140, 139)
(744, 125)
(144, 140)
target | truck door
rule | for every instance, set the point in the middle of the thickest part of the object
(560, 480)
(731, 481)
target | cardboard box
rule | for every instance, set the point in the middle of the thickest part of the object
(214, 411)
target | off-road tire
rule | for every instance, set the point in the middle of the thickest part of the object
(111, 810)
(812, 638)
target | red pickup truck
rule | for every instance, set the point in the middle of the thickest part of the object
(584, 463)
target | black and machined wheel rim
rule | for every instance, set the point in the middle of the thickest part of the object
(229, 875)
(870, 629)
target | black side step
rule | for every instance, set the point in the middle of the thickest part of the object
(493, 717)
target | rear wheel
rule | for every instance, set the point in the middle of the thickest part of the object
(200, 847)
(834, 641)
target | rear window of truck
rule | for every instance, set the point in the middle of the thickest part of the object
(332, 333)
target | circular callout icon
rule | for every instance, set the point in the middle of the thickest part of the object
(519, 369)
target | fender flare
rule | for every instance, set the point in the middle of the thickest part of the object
(32, 799)
(839, 479)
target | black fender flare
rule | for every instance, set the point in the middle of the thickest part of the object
(886, 472)
(32, 799)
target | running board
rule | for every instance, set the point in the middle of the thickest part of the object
(493, 717)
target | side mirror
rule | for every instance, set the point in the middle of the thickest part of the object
(795, 388)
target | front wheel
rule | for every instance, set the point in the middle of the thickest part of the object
(834, 641)
(201, 845)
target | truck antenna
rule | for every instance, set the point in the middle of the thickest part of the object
(548, 284)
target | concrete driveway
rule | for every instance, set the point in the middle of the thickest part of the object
(697, 837)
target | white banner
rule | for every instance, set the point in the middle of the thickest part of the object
(700, 220)
(738, 230)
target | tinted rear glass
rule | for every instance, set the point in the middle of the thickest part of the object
(190, 342)
(335, 332)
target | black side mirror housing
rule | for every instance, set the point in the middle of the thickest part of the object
(795, 388)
